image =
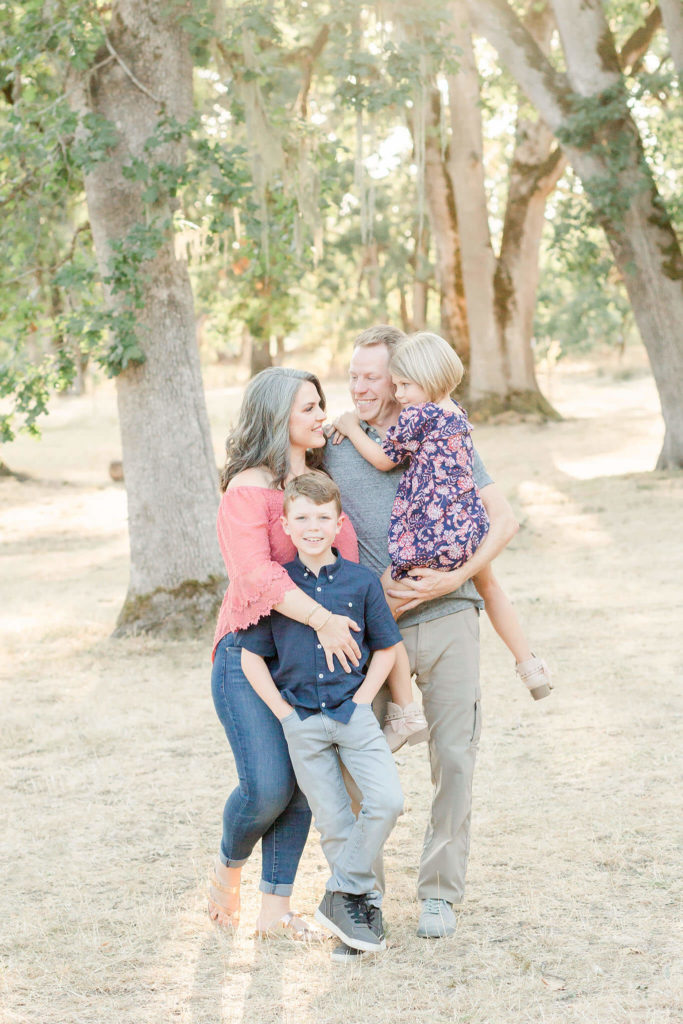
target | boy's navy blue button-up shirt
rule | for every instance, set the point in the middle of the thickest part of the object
(296, 659)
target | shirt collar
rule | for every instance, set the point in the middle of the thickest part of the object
(327, 570)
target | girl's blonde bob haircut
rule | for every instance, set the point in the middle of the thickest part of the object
(429, 361)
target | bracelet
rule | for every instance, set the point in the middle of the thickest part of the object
(323, 623)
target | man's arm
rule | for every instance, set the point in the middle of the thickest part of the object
(426, 584)
(256, 671)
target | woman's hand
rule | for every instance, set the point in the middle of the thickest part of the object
(335, 637)
(421, 585)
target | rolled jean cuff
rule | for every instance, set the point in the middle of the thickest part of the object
(276, 888)
(228, 863)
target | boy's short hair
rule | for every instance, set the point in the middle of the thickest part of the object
(318, 487)
(428, 360)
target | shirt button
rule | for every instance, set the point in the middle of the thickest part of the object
(318, 589)
(323, 704)
(320, 676)
(320, 647)
(331, 577)
(350, 604)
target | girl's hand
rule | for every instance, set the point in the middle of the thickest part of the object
(344, 425)
(335, 637)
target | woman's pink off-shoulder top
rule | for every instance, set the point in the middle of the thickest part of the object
(255, 548)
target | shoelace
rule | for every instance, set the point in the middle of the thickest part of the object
(356, 908)
(432, 906)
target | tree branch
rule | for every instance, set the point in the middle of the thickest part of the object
(136, 82)
(638, 43)
(309, 56)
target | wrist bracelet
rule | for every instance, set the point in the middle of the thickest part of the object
(324, 622)
(316, 608)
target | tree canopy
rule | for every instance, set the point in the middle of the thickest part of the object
(505, 172)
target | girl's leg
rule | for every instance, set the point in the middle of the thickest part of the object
(405, 721)
(398, 680)
(267, 804)
(502, 614)
(533, 671)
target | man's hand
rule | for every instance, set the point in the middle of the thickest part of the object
(420, 585)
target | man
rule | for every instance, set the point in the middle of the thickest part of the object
(439, 624)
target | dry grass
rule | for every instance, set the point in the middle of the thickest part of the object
(115, 769)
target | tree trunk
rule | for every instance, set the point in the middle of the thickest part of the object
(444, 225)
(672, 16)
(420, 264)
(466, 170)
(176, 573)
(534, 173)
(621, 190)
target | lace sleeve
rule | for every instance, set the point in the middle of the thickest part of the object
(257, 582)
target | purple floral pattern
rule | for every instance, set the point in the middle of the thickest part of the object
(438, 519)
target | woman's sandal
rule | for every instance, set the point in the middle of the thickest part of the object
(217, 910)
(535, 674)
(292, 926)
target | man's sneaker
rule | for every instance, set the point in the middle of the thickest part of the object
(343, 954)
(375, 921)
(437, 919)
(346, 915)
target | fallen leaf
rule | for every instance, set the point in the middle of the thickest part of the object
(553, 982)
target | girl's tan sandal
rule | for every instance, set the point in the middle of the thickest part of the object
(218, 911)
(294, 927)
(535, 674)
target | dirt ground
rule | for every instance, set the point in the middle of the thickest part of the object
(115, 769)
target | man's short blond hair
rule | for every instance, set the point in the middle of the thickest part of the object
(428, 360)
(318, 487)
(380, 334)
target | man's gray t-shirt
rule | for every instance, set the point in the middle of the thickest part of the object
(367, 499)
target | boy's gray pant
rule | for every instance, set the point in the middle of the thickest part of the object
(444, 654)
(317, 745)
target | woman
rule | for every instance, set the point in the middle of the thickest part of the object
(278, 436)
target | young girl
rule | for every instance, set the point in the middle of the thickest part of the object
(438, 519)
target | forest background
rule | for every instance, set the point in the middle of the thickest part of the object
(192, 191)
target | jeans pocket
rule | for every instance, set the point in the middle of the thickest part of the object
(359, 704)
(288, 718)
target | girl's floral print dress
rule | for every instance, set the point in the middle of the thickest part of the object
(438, 519)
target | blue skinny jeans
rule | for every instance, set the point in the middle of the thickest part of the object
(267, 804)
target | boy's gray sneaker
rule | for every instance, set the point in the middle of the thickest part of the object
(375, 921)
(346, 915)
(437, 919)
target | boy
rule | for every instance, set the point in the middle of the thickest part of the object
(327, 716)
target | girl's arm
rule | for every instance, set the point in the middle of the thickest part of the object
(256, 671)
(381, 664)
(348, 425)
